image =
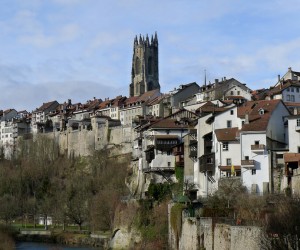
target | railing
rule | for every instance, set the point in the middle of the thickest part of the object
(207, 162)
(258, 147)
(167, 169)
(247, 162)
(193, 153)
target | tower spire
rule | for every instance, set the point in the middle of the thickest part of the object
(144, 73)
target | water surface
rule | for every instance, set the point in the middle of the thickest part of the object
(48, 246)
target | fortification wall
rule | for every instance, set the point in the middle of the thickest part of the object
(83, 141)
(245, 237)
(189, 236)
(204, 233)
(222, 236)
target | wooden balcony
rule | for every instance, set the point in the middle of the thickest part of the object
(248, 163)
(258, 147)
(207, 162)
(193, 153)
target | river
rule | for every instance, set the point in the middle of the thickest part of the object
(47, 246)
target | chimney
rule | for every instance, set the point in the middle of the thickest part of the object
(278, 78)
(246, 118)
(295, 111)
(216, 81)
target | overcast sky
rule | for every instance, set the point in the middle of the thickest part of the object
(80, 49)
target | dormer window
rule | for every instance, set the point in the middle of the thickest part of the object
(261, 111)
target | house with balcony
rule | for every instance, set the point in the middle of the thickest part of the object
(111, 107)
(162, 147)
(135, 107)
(225, 89)
(226, 147)
(155, 107)
(172, 101)
(287, 89)
(10, 130)
(201, 151)
(262, 138)
(40, 116)
(291, 159)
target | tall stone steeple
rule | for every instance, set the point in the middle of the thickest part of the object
(144, 74)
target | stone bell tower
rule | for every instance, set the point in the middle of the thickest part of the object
(144, 74)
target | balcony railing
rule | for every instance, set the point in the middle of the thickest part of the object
(207, 162)
(247, 163)
(258, 147)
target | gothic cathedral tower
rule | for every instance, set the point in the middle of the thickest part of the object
(144, 74)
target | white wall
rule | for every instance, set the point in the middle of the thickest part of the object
(221, 119)
(261, 160)
(276, 129)
(293, 135)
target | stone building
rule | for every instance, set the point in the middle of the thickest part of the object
(144, 74)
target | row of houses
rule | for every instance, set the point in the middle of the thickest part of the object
(218, 132)
(233, 139)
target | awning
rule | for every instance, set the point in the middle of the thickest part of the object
(228, 168)
(166, 136)
(291, 157)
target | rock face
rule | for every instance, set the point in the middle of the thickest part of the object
(125, 238)
(125, 235)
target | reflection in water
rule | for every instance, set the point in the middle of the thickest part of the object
(46, 246)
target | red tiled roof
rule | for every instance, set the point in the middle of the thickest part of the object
(45, 106)
(280, 87)
(209, 107)
(168, 123)
(257, 121)
(147, 96)
(7, 111)
(226, 134)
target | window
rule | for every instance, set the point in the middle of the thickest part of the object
(292, 98)
(292, 89)
(256, 142)
(253, 171)
(298, 149)
(288, 97)
(297, 90)
(288, 89)
(298, 122)
(228, 161)
(231, 112)
(225, 146)
(238, 92)
(231, 92)
(229, 124)
(169, 164)
(247, 158)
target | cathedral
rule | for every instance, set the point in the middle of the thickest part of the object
(144, 74)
